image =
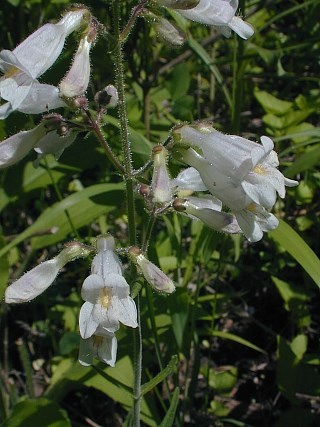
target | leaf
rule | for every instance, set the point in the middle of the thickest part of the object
(295, 301)
(68, 342)
(179, 306)
(115, 383)
(41, 412)
(294, 417)
(239, 340)
(293, 375)
(179, 83)
(140, 145)
(298, 249)
(299, 345)
(271, 104)
(169, 369)
(83, 207)
(4, 271)
(202, 53)
(223, 379)
(170, 415)
(305, 162)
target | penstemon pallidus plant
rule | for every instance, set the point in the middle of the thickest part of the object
(230, 183)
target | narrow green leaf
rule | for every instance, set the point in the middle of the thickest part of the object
(4, 271)
(170, 415)
(298, 249)
(305, 162)
(239, 340)
(30, 413)
(150, 385)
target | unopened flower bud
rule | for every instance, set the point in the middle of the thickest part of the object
(37, 280)
(161, 187)
(76, 81)
(108, 97)
(80, 102)
(179, 204)
(144, 190)
(153, 275)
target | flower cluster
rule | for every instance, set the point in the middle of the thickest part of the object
(240, 178)
(32, 58)
(19, 85)
(241, 175)
(105, 291)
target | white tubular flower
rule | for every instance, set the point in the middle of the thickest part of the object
(76, 81)
(240, 172)
(37, 280)
(161, 186)
(28, 61)
(106, 293)
(153, 275)
(208, 210)
(221, 14)
(102, 345)
(17, 146)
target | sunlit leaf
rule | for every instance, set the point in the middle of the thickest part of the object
(298, 249)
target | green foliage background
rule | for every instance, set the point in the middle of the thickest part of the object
(243, 325)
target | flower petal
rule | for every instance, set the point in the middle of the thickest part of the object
(91, 288)
(17, 146)
(124, 309)
(87, 322)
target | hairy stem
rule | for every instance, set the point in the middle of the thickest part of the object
(104, 143)
(128, 177)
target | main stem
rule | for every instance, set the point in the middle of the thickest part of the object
(128, 177)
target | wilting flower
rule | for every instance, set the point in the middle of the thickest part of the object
(153, 275)
(239, 172)
(40, 138)
(208, 210)
(102, 344)
(37, 280)
(221, 14)
(168, 32)
(161, 186)
(106, 293)
(29, 60)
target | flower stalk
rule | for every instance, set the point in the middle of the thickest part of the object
(128, 177)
